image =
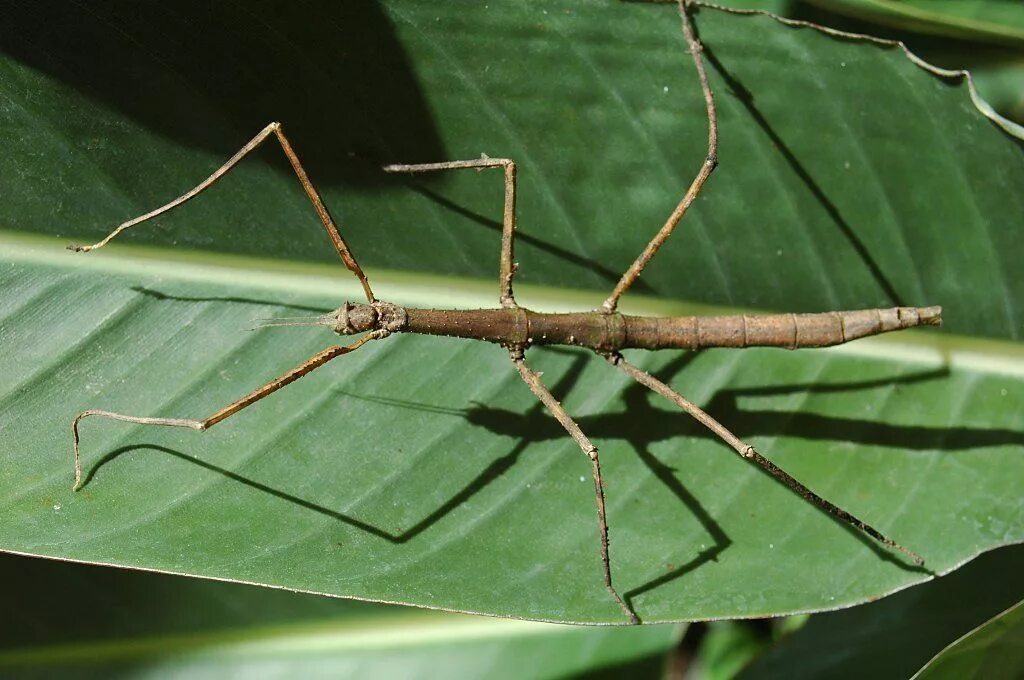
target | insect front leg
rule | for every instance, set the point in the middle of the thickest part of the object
(300, 172)
(532, 380)
(314, 362)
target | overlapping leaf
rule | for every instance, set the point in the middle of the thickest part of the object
(75, 620)
(994, 650)
(894, 637)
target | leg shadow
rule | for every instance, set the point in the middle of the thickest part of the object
(158, 295)
(642, 425)
(492, 472)
(746, 98)
(563, 254)
(636, 400)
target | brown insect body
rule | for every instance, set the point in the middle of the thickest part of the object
(606, 331)
(611, 332)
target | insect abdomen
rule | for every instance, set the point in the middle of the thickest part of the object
(792, 331)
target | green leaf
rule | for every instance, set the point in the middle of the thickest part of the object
(993, 650)
(420, 470)
(894, 637)
(999, 21)
(80, 621)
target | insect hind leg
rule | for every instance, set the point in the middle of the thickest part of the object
(751, 455)
(533, 381)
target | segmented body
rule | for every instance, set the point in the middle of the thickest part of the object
(610, 332)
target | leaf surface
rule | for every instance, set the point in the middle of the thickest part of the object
(420, 470)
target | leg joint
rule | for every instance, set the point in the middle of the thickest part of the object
(612, 357)
(391, 318)
(517, 350)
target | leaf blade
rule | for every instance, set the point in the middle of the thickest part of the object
(414, 470)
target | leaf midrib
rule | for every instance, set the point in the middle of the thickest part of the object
(333, 284)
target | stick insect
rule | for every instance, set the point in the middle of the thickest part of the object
(605, 331)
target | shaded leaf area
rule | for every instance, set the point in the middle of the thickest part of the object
(83, 621)
(849, 177)
(994, 650)
(421, 471)
(894, 637)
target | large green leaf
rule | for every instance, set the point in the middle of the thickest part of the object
(81, 621)
(420, 470)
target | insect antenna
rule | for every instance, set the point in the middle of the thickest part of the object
(322, 320)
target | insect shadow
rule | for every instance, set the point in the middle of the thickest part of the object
(159, 295)
(563, 254)
(641, 425)
(490, 473)
(528, 427)
(746, 98)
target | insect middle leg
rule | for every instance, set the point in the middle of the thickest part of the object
(532, 379)
(314, 196)
(314, 362)
(748, 453)
(706, 168)
(507, 267)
